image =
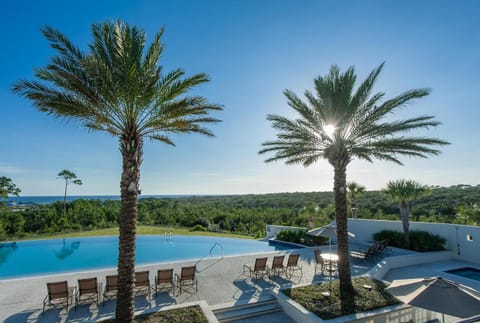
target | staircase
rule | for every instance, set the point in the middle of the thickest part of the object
(240, 312)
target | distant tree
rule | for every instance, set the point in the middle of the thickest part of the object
(339, 123)
(7, 187)
(405, 192)
(468, 213)
(119, 87)
(354, 191)
(70, 178)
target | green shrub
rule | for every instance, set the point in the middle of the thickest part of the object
(394, 238)
(294, 236)
(198, 227)
(301, 237)
(425, 241)
(419, 240)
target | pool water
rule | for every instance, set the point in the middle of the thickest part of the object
(467, 272)
(41, 257)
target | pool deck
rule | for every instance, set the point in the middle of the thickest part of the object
(221, 283)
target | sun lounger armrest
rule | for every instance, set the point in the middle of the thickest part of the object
(250, 270)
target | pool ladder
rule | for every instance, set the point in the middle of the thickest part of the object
(213, 247)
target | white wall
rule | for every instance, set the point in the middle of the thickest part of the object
(272, 230)
(455, 234)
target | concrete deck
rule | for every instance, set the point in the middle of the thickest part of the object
(222, 282)
(435, 269)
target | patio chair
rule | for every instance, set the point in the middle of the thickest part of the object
(318, 260)
(385, 249)
(164, 279)
(89, 289)
(292, 265)
(111, 287)
(277, 266)
(59, 293)
(259, 270)
(374, 250)
(142, 282)
(187, 278)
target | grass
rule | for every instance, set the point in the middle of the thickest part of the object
(180, 315)
(160, 230)
(327, 308)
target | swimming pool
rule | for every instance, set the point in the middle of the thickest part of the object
(41, 257)
(467, 272)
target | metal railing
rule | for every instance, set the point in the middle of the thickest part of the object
(213, 247)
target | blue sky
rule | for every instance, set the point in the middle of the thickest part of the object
(252, 50)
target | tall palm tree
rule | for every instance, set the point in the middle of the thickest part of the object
(405, 192)
(118, 87)
(354, 191)
(70, 178)
(339, 123)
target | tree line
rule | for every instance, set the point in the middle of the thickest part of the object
(242, 214)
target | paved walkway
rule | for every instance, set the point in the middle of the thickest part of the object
(435, 269)
(221, 281)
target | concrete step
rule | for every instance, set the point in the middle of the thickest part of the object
(230, 314)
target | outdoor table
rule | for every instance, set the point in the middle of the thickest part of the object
(330, 258)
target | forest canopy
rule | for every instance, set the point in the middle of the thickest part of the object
(242, 214)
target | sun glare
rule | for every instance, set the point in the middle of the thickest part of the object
(329, 130)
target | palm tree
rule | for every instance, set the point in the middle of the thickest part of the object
(7, 187)
(118, 87)
(339, 123)
(354, 191)
(405, 192)
(70, 178)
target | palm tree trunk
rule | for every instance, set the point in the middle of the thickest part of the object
(131, 148)
(353, 207)
(347, 295)
(405, 224)
(65, 199)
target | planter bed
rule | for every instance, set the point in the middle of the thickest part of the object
(179, 314)
(314, 299)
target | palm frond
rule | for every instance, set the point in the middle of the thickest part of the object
(117, 85)
(356, 120)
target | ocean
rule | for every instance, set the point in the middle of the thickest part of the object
(38, 200)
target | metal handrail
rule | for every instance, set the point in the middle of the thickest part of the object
(214, 245)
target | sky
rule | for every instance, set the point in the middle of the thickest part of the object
(252, 51)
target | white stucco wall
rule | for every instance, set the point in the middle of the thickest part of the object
(455, 234)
